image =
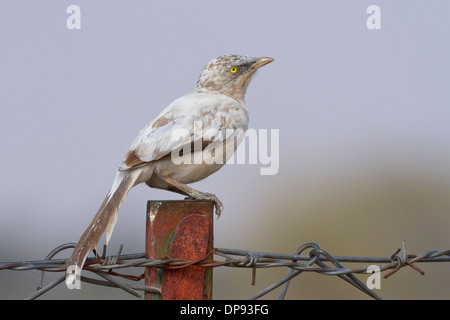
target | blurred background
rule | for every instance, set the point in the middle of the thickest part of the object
(363, 117)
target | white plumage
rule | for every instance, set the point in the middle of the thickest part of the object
(208, 124)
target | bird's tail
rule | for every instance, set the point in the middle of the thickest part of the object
(104, 220)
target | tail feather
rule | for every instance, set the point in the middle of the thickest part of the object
(104, 220)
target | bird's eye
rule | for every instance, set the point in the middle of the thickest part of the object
(233, 69)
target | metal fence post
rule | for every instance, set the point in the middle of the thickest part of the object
(179, 229)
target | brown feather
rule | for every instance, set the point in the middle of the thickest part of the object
(101, 222)
(132, 159)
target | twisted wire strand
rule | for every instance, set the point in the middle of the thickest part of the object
(309, 257)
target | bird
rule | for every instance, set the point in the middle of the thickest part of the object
(216, 106)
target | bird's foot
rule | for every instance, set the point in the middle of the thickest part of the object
(208, 197)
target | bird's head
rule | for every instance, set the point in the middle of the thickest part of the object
(230, 74)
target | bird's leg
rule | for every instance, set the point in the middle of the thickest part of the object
(195, 194)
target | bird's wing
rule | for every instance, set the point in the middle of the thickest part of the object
(184, 122)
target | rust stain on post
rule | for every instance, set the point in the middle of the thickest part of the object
(179, 229)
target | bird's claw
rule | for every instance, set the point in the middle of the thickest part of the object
(217, 203)
(209, 197)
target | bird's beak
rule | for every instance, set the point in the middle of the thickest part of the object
(262, 62)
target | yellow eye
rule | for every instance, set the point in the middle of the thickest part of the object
(233, 69)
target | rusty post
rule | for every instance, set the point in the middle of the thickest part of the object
(179, 229)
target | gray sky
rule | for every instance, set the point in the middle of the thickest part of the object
(363, 115)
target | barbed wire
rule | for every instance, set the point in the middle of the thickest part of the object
(316, 260)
